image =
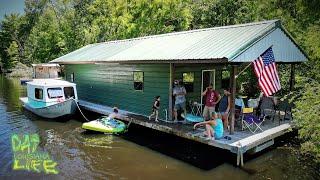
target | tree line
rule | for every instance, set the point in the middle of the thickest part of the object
(51, 28)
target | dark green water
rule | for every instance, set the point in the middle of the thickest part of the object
(97, 156)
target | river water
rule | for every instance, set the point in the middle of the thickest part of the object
(139, 154)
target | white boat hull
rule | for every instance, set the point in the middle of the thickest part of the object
(57, 110)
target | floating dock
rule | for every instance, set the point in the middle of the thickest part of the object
(241, 141)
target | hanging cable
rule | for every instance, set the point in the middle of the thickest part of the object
(80, 110)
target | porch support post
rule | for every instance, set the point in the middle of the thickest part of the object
(233, 95)
(171, 79)
(292, 77)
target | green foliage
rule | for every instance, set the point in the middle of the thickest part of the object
(13, 52)
(188, 77)
(11, 45)
(312, 43)
(138, 76)
(306, 116)
(46, 41)
(110, 20)
(211, 13)
(247, 83)
(64, 25)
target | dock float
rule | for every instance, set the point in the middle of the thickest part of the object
(241, 141)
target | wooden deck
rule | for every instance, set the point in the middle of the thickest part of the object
(240, 143)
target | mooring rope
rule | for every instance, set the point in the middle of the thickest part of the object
(131, 119)
(80, 110)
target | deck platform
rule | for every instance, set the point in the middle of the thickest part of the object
(240, 143)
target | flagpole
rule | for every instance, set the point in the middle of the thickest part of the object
(243, 70)
(249, 65)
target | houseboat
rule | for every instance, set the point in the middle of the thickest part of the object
(50, 98)
(130, 73)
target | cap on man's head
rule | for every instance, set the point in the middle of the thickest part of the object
(176, 82)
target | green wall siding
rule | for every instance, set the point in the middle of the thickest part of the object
(112, 85)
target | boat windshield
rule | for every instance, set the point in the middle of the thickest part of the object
(55, 93)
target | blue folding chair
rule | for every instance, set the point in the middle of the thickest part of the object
(250, 121)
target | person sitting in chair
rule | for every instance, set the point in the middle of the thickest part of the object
(267, 105)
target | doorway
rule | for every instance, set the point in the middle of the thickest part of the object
(208, 77)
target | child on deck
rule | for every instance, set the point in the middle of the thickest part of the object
(155, 108)
(214, 127)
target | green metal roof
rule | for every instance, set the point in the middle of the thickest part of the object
(228, 43)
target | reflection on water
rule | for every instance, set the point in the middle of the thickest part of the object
(140, 154)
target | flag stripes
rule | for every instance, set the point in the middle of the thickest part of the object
(266, 72)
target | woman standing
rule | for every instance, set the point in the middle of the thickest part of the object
(224, 107)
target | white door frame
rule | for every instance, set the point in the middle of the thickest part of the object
(214, 81)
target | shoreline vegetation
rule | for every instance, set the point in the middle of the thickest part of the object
(20, 70)
(50, 29)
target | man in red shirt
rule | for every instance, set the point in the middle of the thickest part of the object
(212, 98)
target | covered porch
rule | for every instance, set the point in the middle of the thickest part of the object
(214, 73)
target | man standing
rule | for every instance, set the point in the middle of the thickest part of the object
(212, 97)
(179, 92)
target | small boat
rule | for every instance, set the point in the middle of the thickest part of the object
(105, 125)
(50, 98)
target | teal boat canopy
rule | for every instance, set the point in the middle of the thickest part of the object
(235, 43)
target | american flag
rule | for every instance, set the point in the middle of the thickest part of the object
(266, 71)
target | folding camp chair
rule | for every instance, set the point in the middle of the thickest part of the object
(269, 114)
(283, 110)
(196, 108)
(251, 121)
(267, 106)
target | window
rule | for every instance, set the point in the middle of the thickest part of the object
(188, 80)
(138, 80)
(55, 93)
(72, 77)
(68, 92)
(225, 78)
(38, 93)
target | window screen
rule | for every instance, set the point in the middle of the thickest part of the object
(188, 80)
(138, 80)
